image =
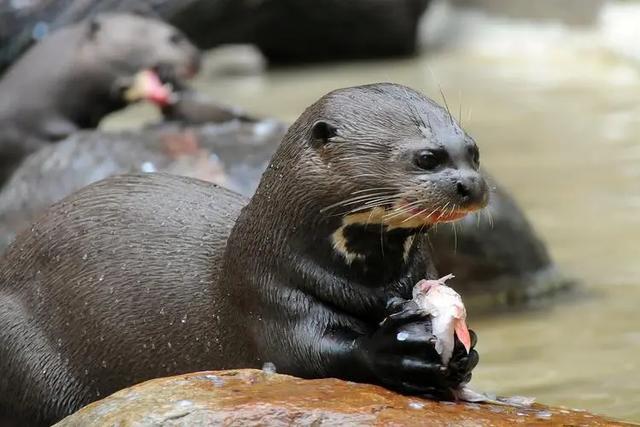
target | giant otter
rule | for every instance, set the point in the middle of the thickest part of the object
(140, 276)
(79, 74)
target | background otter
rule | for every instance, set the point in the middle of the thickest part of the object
(129, 278)
(77, 75)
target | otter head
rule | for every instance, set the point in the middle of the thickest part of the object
(132, 54)
(379, 159)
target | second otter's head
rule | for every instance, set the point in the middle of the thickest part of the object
(136, 57)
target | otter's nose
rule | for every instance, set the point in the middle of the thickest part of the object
(473, 190)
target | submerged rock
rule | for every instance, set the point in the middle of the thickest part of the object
(250, 397)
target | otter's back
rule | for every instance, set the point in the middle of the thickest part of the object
(123, 276)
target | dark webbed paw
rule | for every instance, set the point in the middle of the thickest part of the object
(401, 354)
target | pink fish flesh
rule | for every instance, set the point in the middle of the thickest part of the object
(448, 320)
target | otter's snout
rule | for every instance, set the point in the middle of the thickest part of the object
(472, 190)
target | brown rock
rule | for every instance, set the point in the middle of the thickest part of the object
(252, 397)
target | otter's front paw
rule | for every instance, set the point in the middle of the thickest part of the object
(401, 354)
(462, 363)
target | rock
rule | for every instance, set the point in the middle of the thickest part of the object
(252, 397)
(233, 60)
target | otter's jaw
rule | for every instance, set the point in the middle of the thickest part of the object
(400, 216)
(409, 215)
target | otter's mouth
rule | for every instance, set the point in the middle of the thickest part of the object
(436, 215)
(405, 214)
(147, 85)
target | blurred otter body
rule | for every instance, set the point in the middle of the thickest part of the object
(77, 75)
(136, 277)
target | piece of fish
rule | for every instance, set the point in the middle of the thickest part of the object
(448, 321)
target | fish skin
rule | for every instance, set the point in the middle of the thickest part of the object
(448, 314)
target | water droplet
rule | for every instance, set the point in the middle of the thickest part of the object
(184, 403)
(402, 336)
(104, 363)
(216, 380)
(269, 368)
(169, 344)
(184, 319)
(101, 278)
(84, 257)
(416, 405)
(544, 414)
(148, 167)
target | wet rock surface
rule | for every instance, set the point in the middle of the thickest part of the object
(254, 397)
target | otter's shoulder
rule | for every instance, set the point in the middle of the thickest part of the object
(155, 194)
(149, 209)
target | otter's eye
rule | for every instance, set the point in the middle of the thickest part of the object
(176, 38)
(428, 160)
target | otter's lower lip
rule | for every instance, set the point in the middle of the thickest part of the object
(435, 216)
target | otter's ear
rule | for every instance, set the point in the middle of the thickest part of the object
(93, 26)
(323, 132)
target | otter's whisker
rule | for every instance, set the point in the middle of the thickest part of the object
(446, 105)
(455, 238)
(357, 199)
(372, 189)
(371, 204)
(415, 215)
(489, 216)
(403, 209)
(442, 210)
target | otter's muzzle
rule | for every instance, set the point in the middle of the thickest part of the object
(472, 191)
